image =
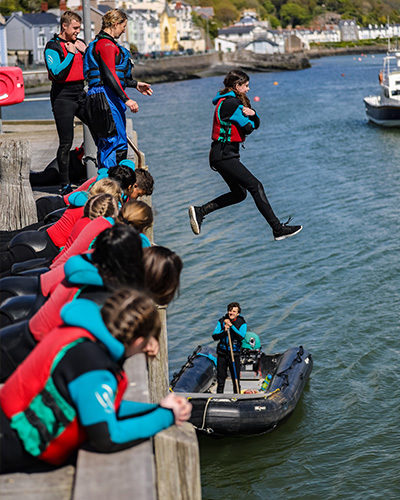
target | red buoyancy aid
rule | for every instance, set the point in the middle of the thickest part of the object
(75, 73)
(46, 423)
(225, 131)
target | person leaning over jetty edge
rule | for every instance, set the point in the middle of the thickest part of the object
(233, 120)
(77, 383)
(108, 71)
(63, 55)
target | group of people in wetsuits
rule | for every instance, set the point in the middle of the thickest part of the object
(73, 315)
(107, 68)
(87, 298)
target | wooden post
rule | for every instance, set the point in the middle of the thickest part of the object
(17, 206)
(176, 449)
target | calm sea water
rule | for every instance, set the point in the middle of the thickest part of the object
(334, 288)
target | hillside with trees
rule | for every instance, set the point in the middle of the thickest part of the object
(307, 13)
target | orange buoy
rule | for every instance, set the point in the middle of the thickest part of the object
(256, 98)
(276, 83)
(341, 74)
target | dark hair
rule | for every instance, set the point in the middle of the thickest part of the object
(118, 256)
(232, 305)
(129, 314)
(122, 174)
(233, 78)
(68, 17)
(162, 269)
(145, 181)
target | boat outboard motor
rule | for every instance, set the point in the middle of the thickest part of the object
(20, 308)
(13, 286)
(10, 341)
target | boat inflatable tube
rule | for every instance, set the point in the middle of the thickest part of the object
(203, 367)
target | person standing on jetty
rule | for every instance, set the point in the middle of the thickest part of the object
(63, 55)
(235, 326)
(233, 120)
(108, 71)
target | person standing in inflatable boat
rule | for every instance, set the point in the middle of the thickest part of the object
(234, 325)
(108, 71)
(234, 118)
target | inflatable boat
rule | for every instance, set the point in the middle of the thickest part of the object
(271, 385)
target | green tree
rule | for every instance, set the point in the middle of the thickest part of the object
(294, 14)
(226, 12)
(7, 7)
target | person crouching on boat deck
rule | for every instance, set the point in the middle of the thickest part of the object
(63, 56)
(234, 118)
(236, 326)
(108, 71)
(69, 389)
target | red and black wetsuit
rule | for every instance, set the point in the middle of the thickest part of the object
(67, 97)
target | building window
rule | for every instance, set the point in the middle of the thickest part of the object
(41, 41)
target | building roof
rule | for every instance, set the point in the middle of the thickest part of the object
(235, 30)
(103, 8)
(41, 19)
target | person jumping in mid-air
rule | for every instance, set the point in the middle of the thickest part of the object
(233, 120)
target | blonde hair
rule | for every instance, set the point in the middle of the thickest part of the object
(113, 17)
(137, 214)
(101, 205)
(130, 314)
(106, 186)
(68, 17)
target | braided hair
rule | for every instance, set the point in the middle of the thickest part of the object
(130, 314)
(101, 205)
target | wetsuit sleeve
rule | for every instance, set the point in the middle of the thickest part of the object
(58, 69)
(93, 394)
(239, 334)
(106, 52)
(232, 110)
(219, 332)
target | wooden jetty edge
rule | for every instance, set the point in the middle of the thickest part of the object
(166, 467)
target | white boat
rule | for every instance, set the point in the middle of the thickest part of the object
(384, 109)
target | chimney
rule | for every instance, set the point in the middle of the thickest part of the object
(44, 6)
(63, 5)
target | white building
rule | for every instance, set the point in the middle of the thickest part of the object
(143, 30)
(3, 45)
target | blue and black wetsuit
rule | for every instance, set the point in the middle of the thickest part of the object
(67, 97)
(230, 128)
(75, 396)
(237, 332)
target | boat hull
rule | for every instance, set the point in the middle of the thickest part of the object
(248, 414)
(383, 114)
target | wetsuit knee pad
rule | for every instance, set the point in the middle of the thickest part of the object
(16, 309)
(16, 342)
(32, 244)
(13, 286)
(30, 265)
(55, 215)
